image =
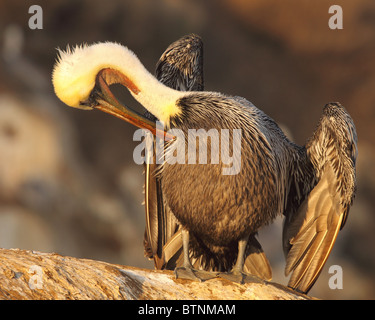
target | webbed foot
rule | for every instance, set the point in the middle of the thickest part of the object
(240, 277)
(190, 273)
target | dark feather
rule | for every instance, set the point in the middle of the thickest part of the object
(311, 231)
(180, 67)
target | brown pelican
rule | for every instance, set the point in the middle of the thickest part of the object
(313, 185)
(181, 67)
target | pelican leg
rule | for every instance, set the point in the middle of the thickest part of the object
(237, 274)
(187, 271)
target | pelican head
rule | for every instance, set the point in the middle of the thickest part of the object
(82, 75)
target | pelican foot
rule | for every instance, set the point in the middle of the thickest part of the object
(193, 274)
(240, 277)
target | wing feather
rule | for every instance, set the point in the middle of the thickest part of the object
(256, 262)
(180, 67)
(311, 231)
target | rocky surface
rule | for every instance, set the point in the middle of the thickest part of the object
(31, 275)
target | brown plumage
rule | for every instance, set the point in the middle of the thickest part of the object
(181, 67)
(313, 186)
(319, 203)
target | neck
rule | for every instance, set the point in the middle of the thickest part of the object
(74, 78)
(157, 98)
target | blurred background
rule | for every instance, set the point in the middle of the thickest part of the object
(68, 183)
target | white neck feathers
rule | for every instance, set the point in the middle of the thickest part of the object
(75, 72)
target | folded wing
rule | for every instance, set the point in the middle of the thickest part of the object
(311, 231)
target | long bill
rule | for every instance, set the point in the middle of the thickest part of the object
(102, 98)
